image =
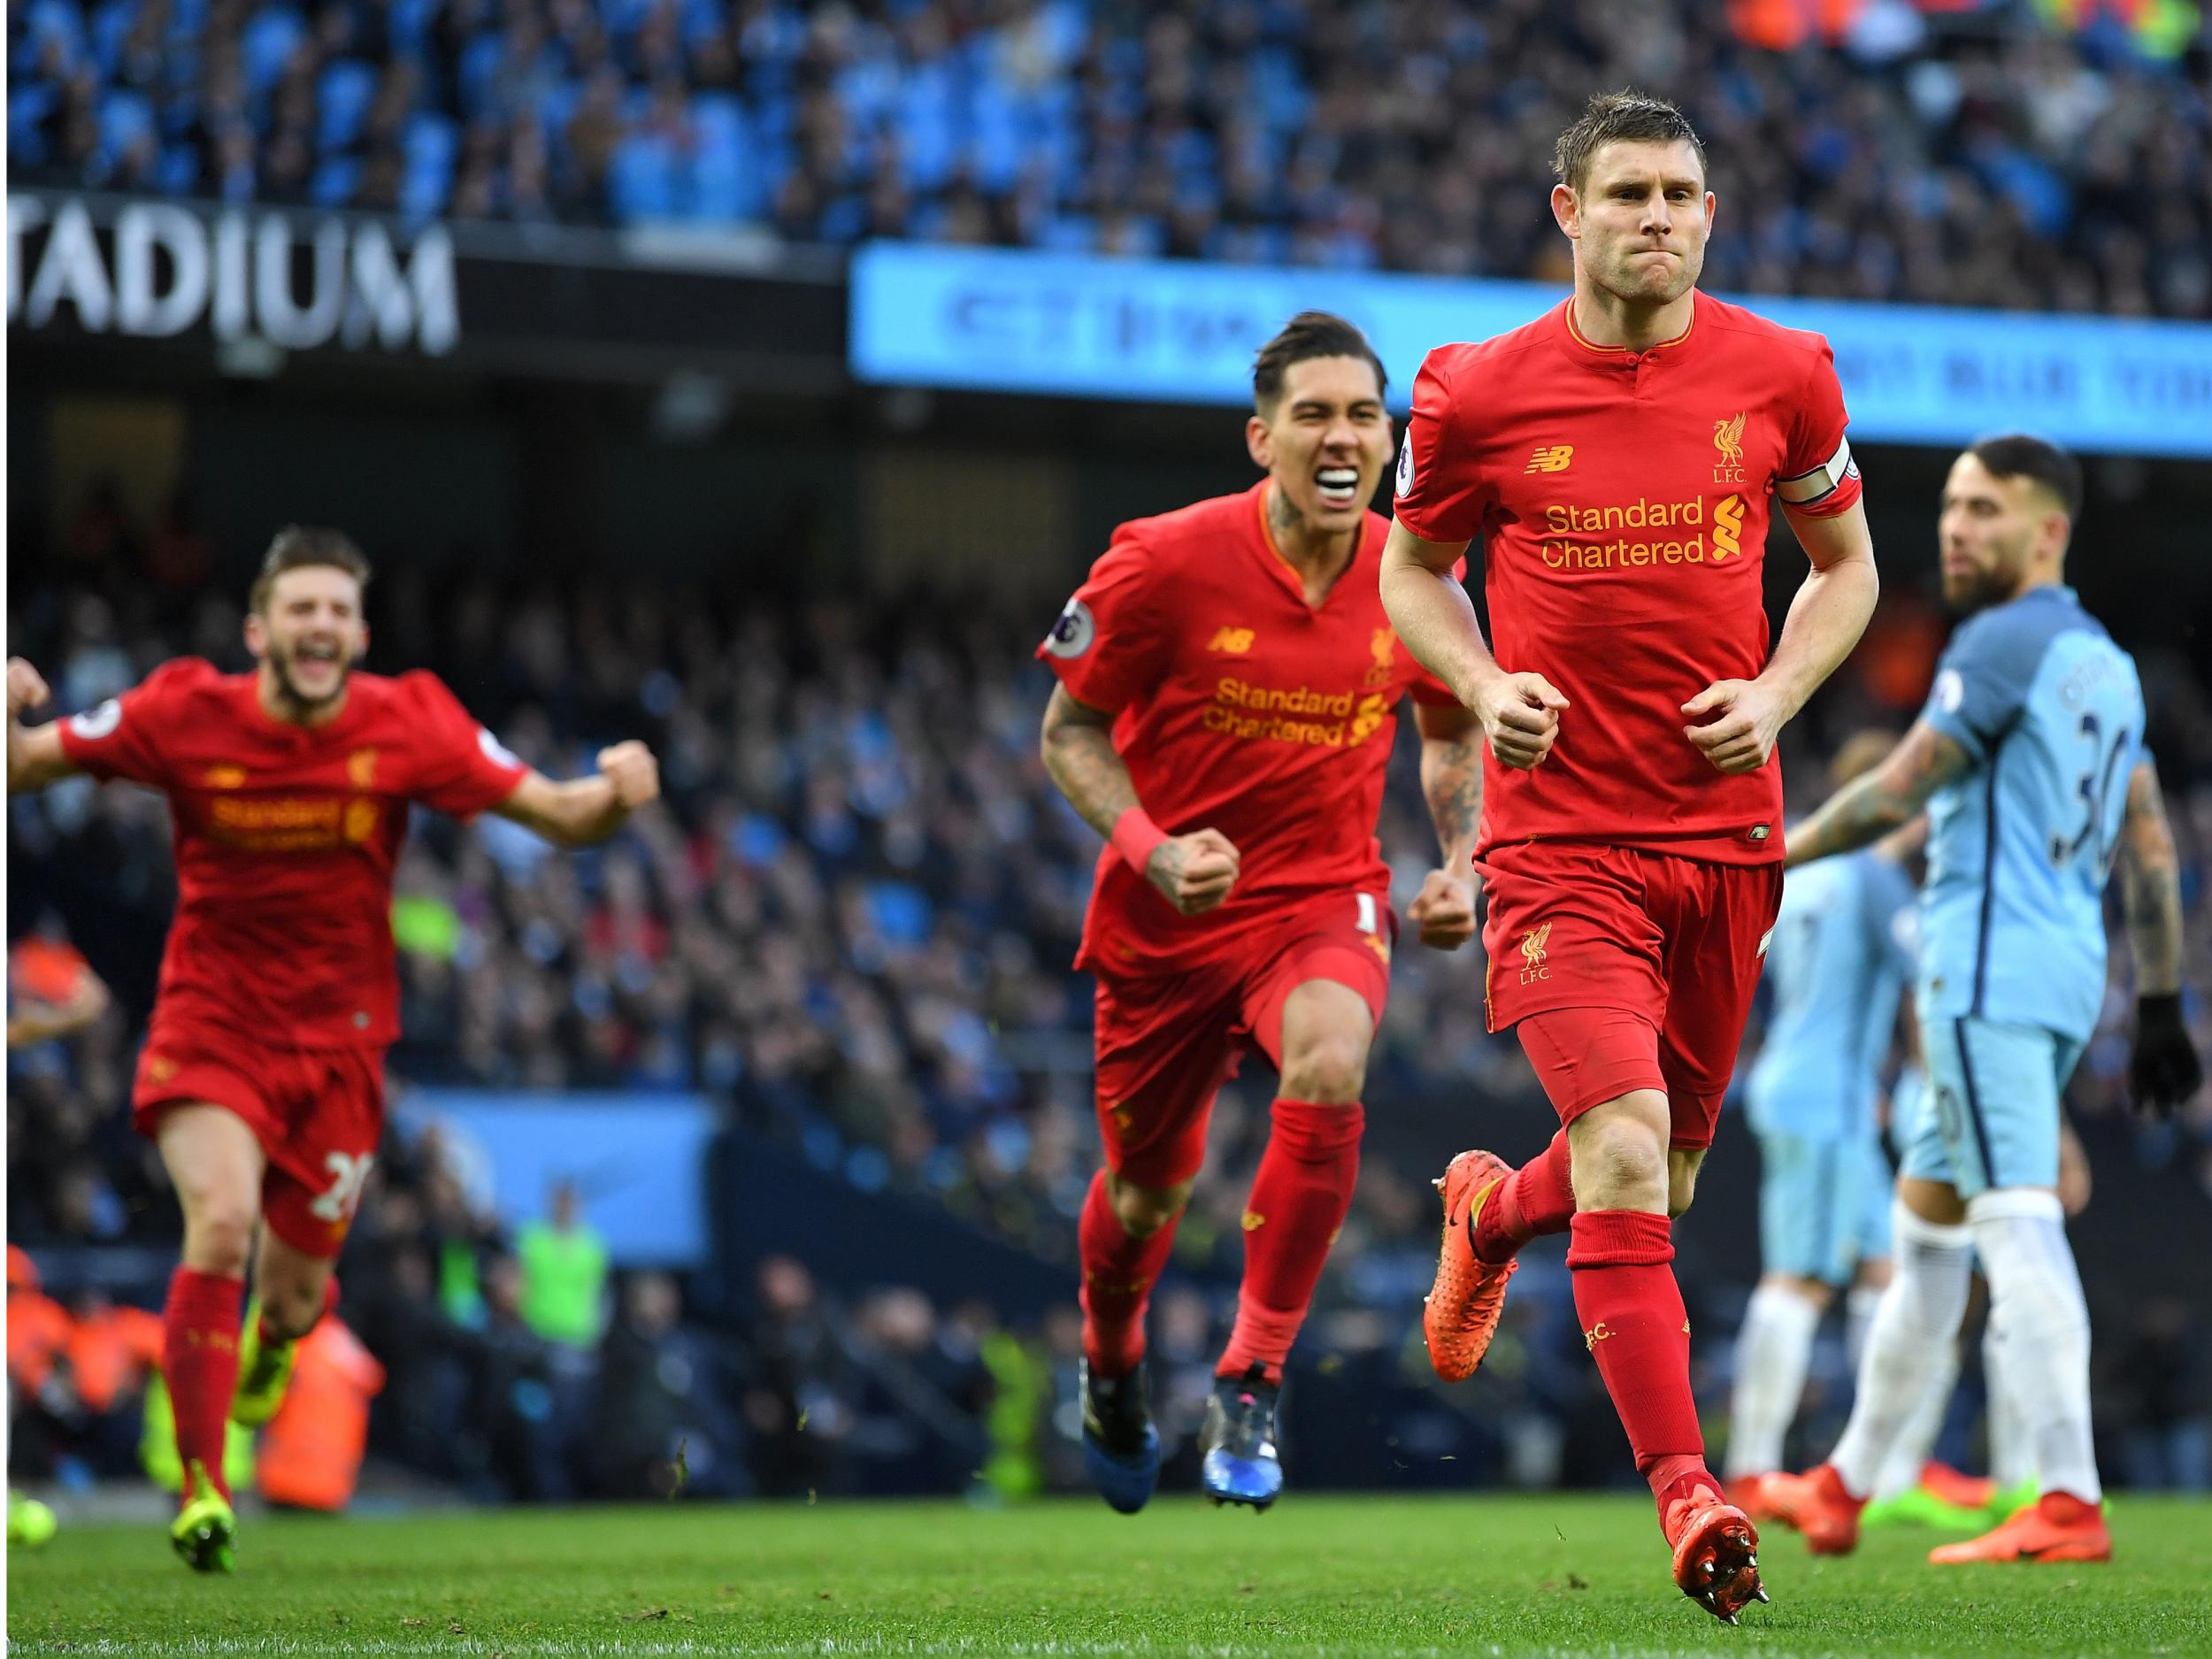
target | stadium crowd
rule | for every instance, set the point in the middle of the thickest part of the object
(849, 924)
(1946, 153)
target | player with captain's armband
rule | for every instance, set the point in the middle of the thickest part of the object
(1620, 457)
(262, 1079)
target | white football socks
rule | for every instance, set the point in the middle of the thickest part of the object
(2011, 1456)
(1916, 1441)
(2035, 1301)
(1916, 1326)
(1773, 1348)
(1859, 1303)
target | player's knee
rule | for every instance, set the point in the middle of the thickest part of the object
(1330, 1071)
(218, 1233)
(1143, 1211)
(1620, 1163)
(1811, 1291)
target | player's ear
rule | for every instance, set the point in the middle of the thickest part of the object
(1259, 443)
(256, 636)
(1566, 208)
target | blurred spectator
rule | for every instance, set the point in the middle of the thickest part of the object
(564, 1273)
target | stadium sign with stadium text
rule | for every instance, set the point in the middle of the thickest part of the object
(558, 301)
(1177, 332)
(157, 269)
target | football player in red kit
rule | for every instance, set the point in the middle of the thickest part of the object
(1620, 456)
(262, 1077)
(1228, 695)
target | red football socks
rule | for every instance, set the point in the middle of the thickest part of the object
(1633, 1321)
(1536, 1198)
(1119, 1273)
(1298, 1204)
(199, 1363)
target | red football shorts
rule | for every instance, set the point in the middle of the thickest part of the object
(318, 1114)
(1623, 968)
(1167, 1042)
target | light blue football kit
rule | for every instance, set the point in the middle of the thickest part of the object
(1840, 960)
(2012, 938)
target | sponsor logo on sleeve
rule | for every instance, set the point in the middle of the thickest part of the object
(494, 749)
(1405, 464)
(1950, 691)
(1072, 635)
(95, 724)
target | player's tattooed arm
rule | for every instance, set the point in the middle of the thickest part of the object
(1194, 872)
(2164, 1071)
(35, 756)
(2150, 886)
(1077, 747)
(1451, 777)
(1876, 803)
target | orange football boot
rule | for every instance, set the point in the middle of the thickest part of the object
(1816, 1505)
(1747, 1493)
(1715, 1553)
(1461, 1314)
(1963, 1491)
(2057, 1526)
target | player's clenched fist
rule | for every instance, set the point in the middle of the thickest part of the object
(26, 687)
(1740, 720)
(1444, 911)
(1520, 718)
(630, 767)
(1195, 872)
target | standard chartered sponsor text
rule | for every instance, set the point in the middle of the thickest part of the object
(1583, 538)
(1336, 719)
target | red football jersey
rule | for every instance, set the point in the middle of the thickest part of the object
(1241, 709)
(285, 838)
(1624, 500)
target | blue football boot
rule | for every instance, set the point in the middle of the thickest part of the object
(1121, 1447)
(1241, 1465)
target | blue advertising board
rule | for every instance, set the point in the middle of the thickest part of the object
(637, 1161)
(1158, 331)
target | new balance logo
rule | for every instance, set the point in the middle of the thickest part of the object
(1550, 457)
(1235, 642)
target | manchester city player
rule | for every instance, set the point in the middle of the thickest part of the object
(1838, 962)
(2029, 763)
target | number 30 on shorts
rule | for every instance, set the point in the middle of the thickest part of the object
(335, 1204)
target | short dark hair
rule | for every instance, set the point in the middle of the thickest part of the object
(2017, 454)
(1615, 117)
(1309, 334)
(298, 546)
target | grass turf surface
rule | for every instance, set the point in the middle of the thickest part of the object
(1317, 1576)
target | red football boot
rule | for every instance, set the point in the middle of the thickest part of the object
(1816, 1505)
(1715, 1553)
(2057, 1526)
(1461, 1314)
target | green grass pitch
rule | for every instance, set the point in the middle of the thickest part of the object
(1316, 1577)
